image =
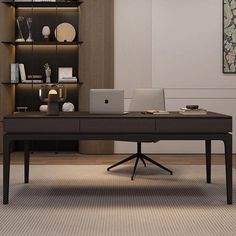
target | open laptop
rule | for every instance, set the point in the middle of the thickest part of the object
(106, 101)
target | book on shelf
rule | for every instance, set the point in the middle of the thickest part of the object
(23, 76)
(186, 111)
(68, 80)
(35, 77)
(32, 81)
(14, 69)
(22, 72)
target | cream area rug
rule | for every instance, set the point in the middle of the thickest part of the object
(89, 201)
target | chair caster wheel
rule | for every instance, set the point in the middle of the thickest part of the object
(108, 169)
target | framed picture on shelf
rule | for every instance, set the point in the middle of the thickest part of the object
(229, 36)
(65, 75)
(65, 72)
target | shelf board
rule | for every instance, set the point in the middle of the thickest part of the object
(43, 3)
(9, 83)
(46, 43)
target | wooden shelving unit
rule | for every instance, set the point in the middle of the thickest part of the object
(93, 53)
(38, 52)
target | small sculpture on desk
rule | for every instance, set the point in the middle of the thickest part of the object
(48, 73)
(52, 94)
(68, 107)
(43, 108)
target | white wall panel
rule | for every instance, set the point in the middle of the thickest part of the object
(187, 45)
(133, 44)
(201, 93)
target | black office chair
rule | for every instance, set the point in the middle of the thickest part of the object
(144, 99)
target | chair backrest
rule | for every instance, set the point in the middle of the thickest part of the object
(147, 99)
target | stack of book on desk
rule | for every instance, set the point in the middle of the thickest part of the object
(187, 111)
(156, 112)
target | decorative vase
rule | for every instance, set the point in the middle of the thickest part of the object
(68, 107)
(29, 24)
(46, 32)
(19, 22)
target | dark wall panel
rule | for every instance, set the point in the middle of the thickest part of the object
(96, 59)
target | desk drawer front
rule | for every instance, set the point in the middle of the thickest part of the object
(41, 125)
(197, 125)
(117, 125)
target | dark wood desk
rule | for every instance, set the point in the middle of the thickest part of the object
(131, 127)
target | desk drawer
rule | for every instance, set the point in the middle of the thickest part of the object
(194, 125)
(41, 125)
(117, 125)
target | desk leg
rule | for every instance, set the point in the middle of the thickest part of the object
(6, 169)
(208, 160)
(228, 167)
(26, 160)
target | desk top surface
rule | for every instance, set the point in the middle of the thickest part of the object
(68, 115)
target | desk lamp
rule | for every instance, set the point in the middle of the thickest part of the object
(52, 94)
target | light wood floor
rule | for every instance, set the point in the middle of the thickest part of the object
(70, 158)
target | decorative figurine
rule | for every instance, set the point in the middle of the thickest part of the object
(43, 108)
(19, 22)
(48, 73)
(29, 24)
(68, 107)
(46, 32)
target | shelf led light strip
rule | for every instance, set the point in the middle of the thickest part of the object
(48, 8)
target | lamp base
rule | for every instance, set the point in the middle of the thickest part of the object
(53, 109)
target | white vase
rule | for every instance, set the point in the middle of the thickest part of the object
(68, 107)
(46, 32)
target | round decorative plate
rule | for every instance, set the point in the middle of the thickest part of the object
(65, 32)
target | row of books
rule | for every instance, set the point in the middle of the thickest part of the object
(18, 73)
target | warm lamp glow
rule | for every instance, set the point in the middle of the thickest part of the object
(52, 94)
(52, 91)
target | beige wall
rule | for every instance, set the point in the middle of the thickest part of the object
(133, 44)
(186, 59)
